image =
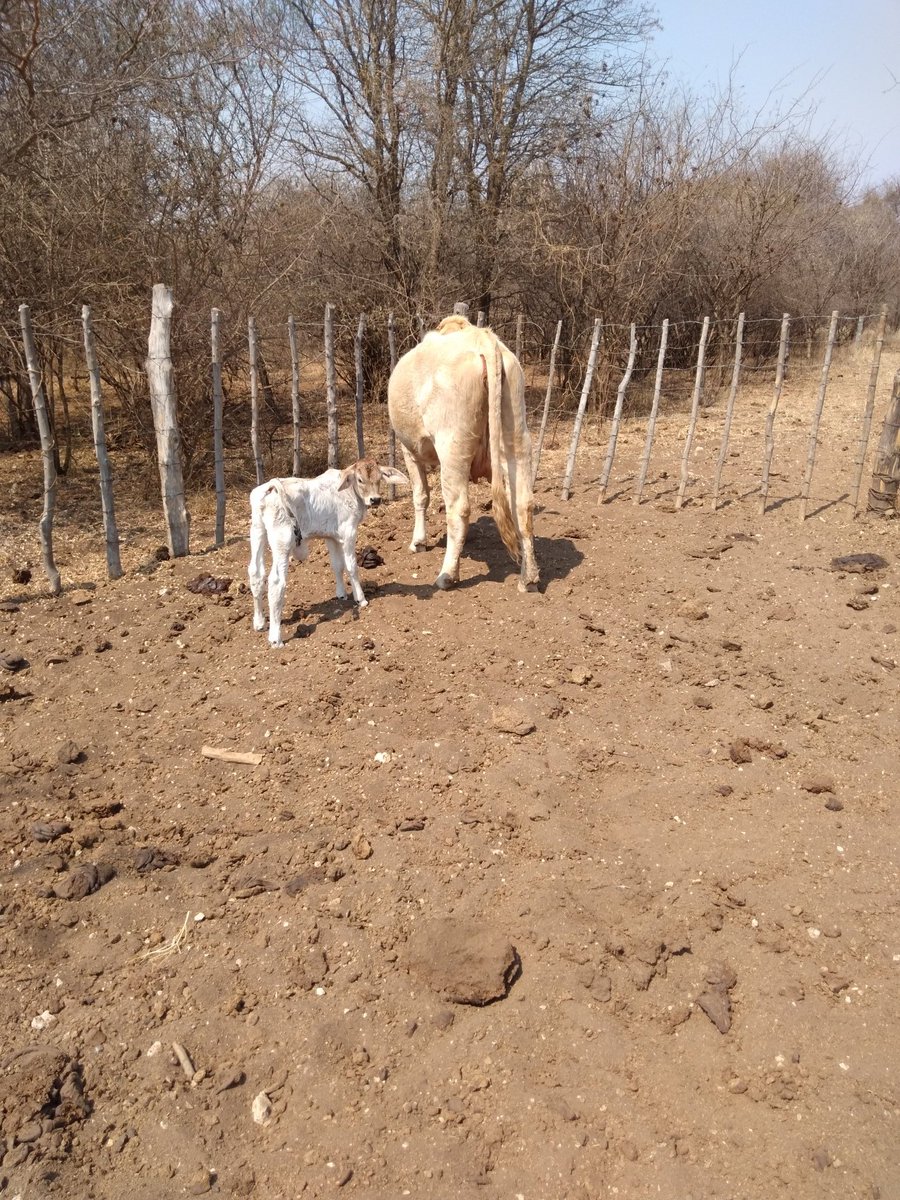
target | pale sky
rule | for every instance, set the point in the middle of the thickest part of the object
(848, 51)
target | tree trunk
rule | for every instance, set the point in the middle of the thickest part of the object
(47, 449)
(113, 561)
(161, 381)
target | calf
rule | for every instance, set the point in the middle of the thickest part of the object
(286, 514)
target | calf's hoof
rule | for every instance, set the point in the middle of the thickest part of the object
(279, 645)
(445, 582)
(259, 624)
(363, 603)
(418, 547)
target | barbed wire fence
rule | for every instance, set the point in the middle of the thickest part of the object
(299, 394)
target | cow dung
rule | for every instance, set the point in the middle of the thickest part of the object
(464, 961)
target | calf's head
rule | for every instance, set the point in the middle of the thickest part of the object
(366, 477)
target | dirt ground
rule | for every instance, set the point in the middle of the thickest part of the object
(656, 803)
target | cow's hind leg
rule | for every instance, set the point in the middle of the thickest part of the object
(282, 546)
(257, 569)
(455, 489)
(421, 491)
(523, 519)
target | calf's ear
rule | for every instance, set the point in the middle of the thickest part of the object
(346, 478)
(392, 475)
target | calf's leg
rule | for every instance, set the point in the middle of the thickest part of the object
(257, 569)
(336, 554)
(281, 545)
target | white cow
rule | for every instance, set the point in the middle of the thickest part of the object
(287, 514)
(457, 401)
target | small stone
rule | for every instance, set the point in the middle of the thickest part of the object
(821, 1158)
(508, 720)
(833, 804)
(581, 676)
(261, 1109)
(739, 751)
(361, 846)
(725, 789)
(784, 612)
(200, 1184)
(28, 1133)
(737, 1087)
(859, 563)
(817, 784)
(466, 962)
(70, 752)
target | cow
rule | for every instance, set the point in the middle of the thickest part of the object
(287, 514)
(457, 401)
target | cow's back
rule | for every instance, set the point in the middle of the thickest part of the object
(438, 388)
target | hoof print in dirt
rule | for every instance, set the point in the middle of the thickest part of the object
(464, 961)
(858, 564)
(152, 858)
(715, 1001)
(83, 880)
(208, 585)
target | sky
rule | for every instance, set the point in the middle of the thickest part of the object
(845, 53)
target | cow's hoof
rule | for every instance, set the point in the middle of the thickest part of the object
(530, 586)
(444, 582)
(259, 624)
(363, 603)
(279, 645)
(418, 547)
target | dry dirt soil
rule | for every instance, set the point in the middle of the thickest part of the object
(653, 808)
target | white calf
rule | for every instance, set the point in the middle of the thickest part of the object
(286, 514)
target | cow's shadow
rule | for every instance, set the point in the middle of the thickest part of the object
(557, 557)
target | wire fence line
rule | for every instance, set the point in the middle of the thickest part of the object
(290, 393)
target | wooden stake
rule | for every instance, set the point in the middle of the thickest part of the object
(866, 426)
(392, 437)
(161, 382)
(480, 321)
(48, 448)
(773, 409)
(247, 758)
(218, 439)
(695, 408)
(654, 409)
(885, 490)
(617, 417)
(358, 358)
(857, 337)
(729, 410)
(295, 396)
(254, 400)
(579, 416)
(111, 532)
(520, 335)
(546, 413)
(330, 387)
(817, 417)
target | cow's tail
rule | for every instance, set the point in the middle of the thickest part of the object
(499, 497)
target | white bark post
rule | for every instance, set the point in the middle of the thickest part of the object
(866, 426)
(582, 405)
(254, 400)
(817, 417)
(773, 409)
(617, 417)
(392, 437)
(729, 410)
(111, 533)
(360, 384)
(857, 337)
(480, 321)
(330, 387)
(654, 410)
(546, 413)
(695, 408)
(47, 449)
(885, 490)
(520, 335)
(161, 382)
(295, 396)
(218, 438)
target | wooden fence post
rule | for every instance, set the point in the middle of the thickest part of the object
(295, 396)
(330, 387)
(520, 335)
(360, 383)
(885, 490)
(392, 437)
(579, 416)
(654, 409)
(857, 337)
(480, 321)
(729, 409)
(817, 417)
(161, 382)
(695, 408)
(47, 449)
(254, 399)
(546, 413)
(420, 324)
(218, 436)
(773, 409)
(617, 417)
(866, 426)
(111, 533)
